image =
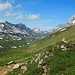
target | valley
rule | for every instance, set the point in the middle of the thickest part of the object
(37, 37)
(50, 50)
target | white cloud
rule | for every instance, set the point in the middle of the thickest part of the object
(4, 6)
(18, 6)
(20, 16)
(19, 13)
(9, 14)
(13, 14)
(32, 17)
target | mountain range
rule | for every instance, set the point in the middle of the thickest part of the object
(20, 30)
(52, 55)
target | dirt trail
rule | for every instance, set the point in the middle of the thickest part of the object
(5, 69)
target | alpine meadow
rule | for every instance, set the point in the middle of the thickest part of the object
(37, 37)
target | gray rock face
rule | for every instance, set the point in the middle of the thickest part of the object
(39, 32)
(20, 30)
(70, 22)
(15, 29)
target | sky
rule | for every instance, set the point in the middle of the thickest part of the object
(43, 14)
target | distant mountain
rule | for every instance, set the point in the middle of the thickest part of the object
(20, 30)
(53, 55)
(15, 29)
(17, 35)
(70, 22)
(39, 32)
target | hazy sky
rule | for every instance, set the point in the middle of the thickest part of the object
(44, 14)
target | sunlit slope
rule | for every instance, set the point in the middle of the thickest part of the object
(68, 34)
(24, 53)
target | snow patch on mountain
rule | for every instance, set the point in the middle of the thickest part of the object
(20, 30)
(70, 22)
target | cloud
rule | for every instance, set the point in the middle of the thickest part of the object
(19, 13)
(20, 16)
(9, 14)
(18, 6)
(32, 17)
(13, 14)
(4, 6)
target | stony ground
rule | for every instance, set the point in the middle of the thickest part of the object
(8, 68)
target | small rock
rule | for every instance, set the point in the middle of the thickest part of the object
(63, 40)
(46, 57)
(10, 62)
(9, 66)
(16, 66)
(4, 72)
(24, 68)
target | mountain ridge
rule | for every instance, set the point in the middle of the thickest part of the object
(70, 22)
(54, 54)
(19, 29)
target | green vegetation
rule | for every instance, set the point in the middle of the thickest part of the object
(7, 42)
(61, 63)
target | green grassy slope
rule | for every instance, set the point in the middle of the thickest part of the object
(39, 46)
(7, 42)
(29, 51)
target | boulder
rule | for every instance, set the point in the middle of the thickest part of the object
(63, 40)
(24, 68)
(16, 66)
(63, 47)
(46, 56)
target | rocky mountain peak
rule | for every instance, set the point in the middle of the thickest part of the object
(71, 21)
(72, 18)
(18, 29)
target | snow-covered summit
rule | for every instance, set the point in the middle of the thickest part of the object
(70, 22)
